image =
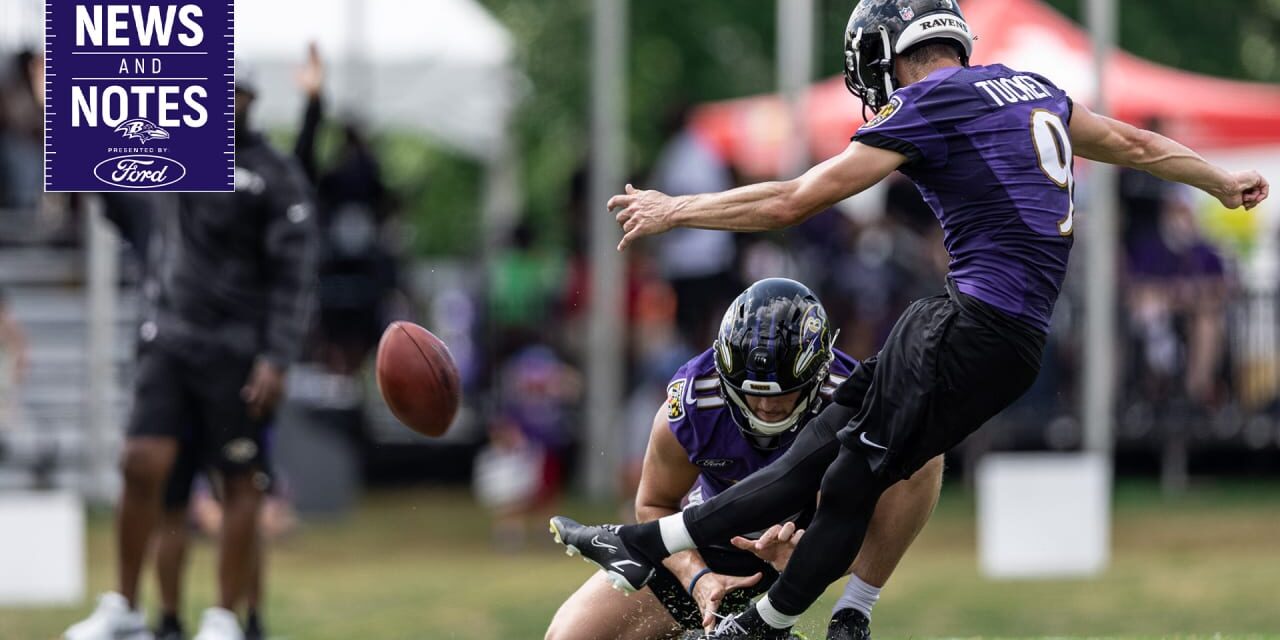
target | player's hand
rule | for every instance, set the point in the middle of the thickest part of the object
(1246, 188)
(311, 75)
(775, 546)
(641, 213)
(263, 389)
(711, 590)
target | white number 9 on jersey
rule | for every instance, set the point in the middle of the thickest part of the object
(1053, 150)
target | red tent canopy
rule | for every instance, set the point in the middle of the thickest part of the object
(1204, 112)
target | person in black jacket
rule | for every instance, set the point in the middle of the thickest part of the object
(357, 271)
(227, 304)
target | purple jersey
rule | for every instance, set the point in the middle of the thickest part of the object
(697, 415)
(989, 149)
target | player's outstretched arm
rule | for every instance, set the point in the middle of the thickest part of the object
(758, 207)
(1107, 140)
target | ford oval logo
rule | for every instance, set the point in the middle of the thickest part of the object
(139, 171)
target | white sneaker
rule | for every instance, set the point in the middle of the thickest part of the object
(111, 620)
(219, 624)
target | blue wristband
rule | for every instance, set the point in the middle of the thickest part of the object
(696, 576)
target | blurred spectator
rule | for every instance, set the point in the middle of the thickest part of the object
(520, 473)
(276, 519)
(358, 274)
(698, 263)
(1142, 198)
(27, 214)
(657, 348)
(22, 132)
(1177, 307)
(525, 282)
(13, 352)
(228, 293)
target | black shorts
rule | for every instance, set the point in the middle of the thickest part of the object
(198, 403)
(950, 364)
(187, 464)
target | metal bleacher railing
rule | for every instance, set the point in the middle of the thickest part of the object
(57, 424)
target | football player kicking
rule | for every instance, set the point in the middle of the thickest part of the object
(991, 150)
(729, 412)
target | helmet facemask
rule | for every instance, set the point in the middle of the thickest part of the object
(868, 68)
(880, 30)
(762, 433)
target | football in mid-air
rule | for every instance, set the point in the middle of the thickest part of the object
(418, 378)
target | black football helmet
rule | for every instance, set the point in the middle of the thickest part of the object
(880, 29)
(774, 340)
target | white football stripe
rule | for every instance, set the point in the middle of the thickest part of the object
(706, 384)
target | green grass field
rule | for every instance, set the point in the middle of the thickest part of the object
(416, 565)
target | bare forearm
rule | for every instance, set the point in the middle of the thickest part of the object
(757, 207)
(1115, 142)
(684, 565)
(1170, 160)
(649, 511)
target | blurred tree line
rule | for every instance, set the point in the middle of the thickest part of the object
(682, 53)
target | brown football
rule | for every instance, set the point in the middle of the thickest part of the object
(418, 378)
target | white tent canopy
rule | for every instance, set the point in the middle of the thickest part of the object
(21, 25)
(441, 67)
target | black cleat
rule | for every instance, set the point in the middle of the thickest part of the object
(170, 634)
(252, 632)
(747, 625)
(253, 626)
(170, 630)
(626, 570)
(849, 624)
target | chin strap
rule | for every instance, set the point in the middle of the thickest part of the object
(759, 427)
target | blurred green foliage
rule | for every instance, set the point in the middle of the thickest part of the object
(683, 53)
(439, 194)
(1228, 38)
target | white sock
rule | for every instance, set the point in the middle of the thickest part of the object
(773, 617)
(858, 595)
(675, 536)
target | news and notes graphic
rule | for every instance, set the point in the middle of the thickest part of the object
(139, 95)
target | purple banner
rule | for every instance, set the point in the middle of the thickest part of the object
(139, 95)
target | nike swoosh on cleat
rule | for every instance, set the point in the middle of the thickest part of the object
(595, 542)
(863, 437)
(619, 563)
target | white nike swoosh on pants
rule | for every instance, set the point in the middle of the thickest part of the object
(863, 437)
